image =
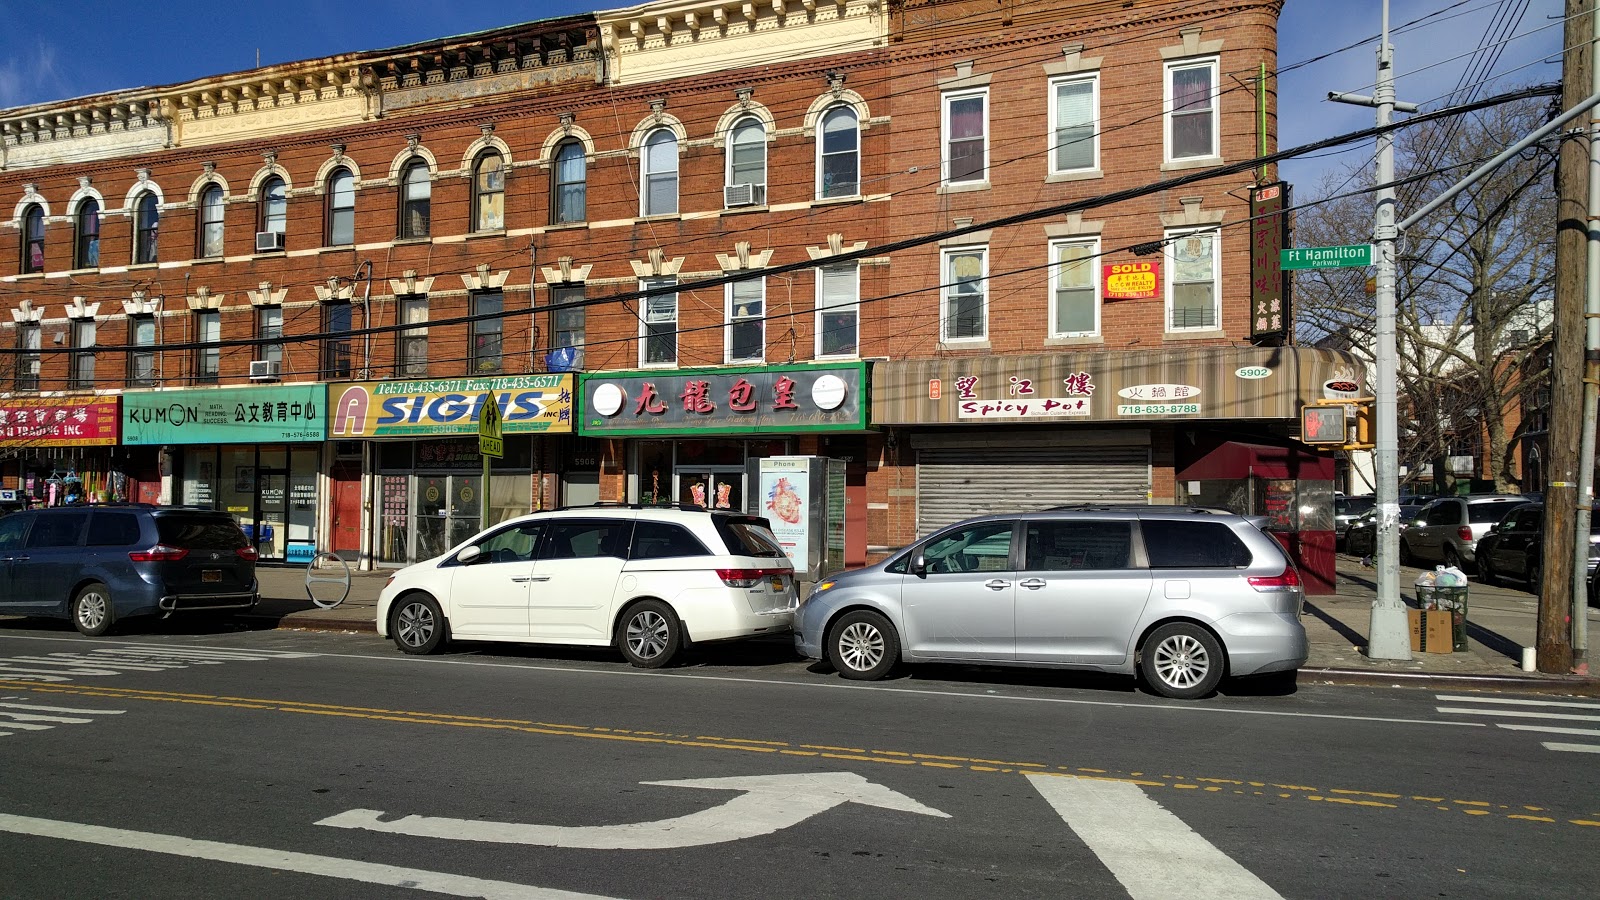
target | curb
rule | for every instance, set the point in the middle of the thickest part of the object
(1575, 685)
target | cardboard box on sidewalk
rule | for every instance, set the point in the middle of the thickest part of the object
(1431, 631)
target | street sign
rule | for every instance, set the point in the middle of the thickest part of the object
(1326, 257)
(490, 440)
(1322, 425)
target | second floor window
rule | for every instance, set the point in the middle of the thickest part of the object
(487, 329)
(269, 331)
(208, 353)
(747, 332)
(411, 355)
(86, 243)
(1193, 295)
(211, 221)
(28, 358)
(1191, 120)
(839, 154)
(1075, 310)
(571, 184)
(659, 326)
(1074, 103)
(965, 313)
(33, 239)
(146, 228)
(416, 198)
(80, 367)
(274, 207)
(966, 132)
(488, 193)
(838, 310)
(660, 173)
(341, 209)
(747, 163)
(567, 323)
(142, 358)
(336, 324)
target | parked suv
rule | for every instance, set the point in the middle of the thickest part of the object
(1346, 510)
(1514, 547)
(96, 565)
(1447, 529)
(648, 580)
(1179, 596)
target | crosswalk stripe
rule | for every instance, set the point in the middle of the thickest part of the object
(1516, 713)
(1572, 748)
(32, 707)
(1548, 729)
(1508, 701)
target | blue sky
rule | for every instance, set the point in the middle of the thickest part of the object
(53, 51)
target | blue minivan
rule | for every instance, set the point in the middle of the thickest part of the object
(96, 565)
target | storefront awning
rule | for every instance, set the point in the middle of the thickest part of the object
(1230, 460)
(1132, 386)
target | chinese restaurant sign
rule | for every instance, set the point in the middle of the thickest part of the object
(1269, 288)
(528, 404)
(767, 399)
(59, 422)
(252, 415)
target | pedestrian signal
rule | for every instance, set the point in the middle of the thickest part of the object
(1322, 425)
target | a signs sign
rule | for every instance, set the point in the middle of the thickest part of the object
(248, 415)
(527, 404)
(1327, 257)
(58, 422)
(1322, 425)
(785, 500)
(1269, 287)
(1023, 401)
(490, 440)
(766, 399)
(1131, 280)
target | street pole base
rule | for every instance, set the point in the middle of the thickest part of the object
(1388, 634)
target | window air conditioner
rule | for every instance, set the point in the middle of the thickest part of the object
(265, 369)
(269, 240)
(744, 194)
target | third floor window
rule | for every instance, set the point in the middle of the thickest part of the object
(274, 207)
(211, 221)
(1191, 120)
(1074, 107)
(660, 193)
(147, 228)
(569, 184)
(416, 199)
(341, 213)
(33, 239)
(966, 134)
(86, 240)
(839, 154)
(747, 163)
(488, 193)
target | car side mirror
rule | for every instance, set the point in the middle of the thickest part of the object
(919, 566)
(468, 555)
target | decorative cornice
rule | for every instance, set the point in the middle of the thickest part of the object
(204, 299)
(835, 247)
(27, 312)
(485, 280)
(742, 258)
(656, 265)
(81, 308)
(140, 304)
(266, 296)
(565, 272)
(334, 292)
(408, 284)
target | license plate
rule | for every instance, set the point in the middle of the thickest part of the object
(778, 583)
(211, 575)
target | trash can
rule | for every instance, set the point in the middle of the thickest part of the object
(1453, 600)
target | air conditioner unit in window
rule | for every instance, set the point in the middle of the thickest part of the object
(744, 194)
(265, 369)
(269, 240)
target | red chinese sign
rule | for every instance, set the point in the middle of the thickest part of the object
(59, 422)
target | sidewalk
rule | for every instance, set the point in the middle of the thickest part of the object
(1500, 622)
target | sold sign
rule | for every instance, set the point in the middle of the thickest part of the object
(1132, 281)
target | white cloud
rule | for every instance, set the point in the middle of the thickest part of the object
(31, 76)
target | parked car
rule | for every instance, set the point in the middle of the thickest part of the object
(97, 565)
(1361, 538)
(646, 580)
(1178, 596)
(1514, 547)
(1446, 531)
(1345, 511)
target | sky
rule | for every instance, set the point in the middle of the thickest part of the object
(55, 51)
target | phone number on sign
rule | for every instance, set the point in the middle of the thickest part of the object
(1157, 409)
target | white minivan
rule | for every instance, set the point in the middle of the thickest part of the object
(648, 580)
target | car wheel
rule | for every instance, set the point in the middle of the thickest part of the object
(1452, 558)
(91, 610)
(863, 646)
(1486, 569)
(417, 624)
(1181, 661)
(649, 634)
(1535, 574)
(1407, 558)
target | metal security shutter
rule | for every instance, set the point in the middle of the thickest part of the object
(955, 483)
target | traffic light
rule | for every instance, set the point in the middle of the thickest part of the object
(1366, 429)
(1322, 425)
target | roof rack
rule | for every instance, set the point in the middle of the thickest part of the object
(1141, 507)
(614, 504)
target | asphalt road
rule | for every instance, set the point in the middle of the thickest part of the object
(202, 761)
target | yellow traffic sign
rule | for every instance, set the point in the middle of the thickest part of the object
(491, 442)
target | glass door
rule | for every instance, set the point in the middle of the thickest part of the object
(714, 487)
(272, 516)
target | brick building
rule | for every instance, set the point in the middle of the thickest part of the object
(671, 239)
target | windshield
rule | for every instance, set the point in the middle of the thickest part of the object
(1350, 506)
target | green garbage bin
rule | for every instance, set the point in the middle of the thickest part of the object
(1453, 600)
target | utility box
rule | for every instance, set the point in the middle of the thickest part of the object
(803, 498)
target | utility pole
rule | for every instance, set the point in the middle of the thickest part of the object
(1556, 600)
(1591, 379)
(1388, 630)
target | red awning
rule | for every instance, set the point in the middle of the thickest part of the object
(1241, 459)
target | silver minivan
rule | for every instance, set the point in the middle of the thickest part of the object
(1179, 596)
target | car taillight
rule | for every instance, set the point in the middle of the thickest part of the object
(747, 578)
(248, 553)
(1288, 579)
(1465, 533)
(159, 553)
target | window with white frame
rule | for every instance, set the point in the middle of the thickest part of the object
(416, 200)
(1191, 107)
(142, 356)
(411, 354)
(28, 361)
(337, 321)
(1075, 123)
(146, 228)
(208, 352)
(658, 328)
(660, 194)
(1193, 281)
(839, 310)
(747, 324)
(839, 154)
(965, 313)
(211, 221)
(86, 244)
(269, 330)
(569, 184)
(273, 208)
(33, 239)
(341, 209)
(488, 330)
(966, 136)
(488, 192)
(80, 374)
(1074, 289)
(567, 324)
(747, 163)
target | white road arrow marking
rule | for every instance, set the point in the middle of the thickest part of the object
(769, 803)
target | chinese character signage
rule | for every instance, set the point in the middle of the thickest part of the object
(528, 404)
(1073, 398)
(249, 415)
(1139, 280)
(766, 399)
(58, 422)
(1269, 288)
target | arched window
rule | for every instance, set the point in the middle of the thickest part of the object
(571, 175)
(341, 216)
(747, 163)
(146, 228)
(839, 154)
(416, 193)
(86, 243)
(211, 221)
(488, 192)
(33, 239)
(660, 191)
(274, 212)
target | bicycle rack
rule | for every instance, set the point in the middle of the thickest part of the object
(312, 578)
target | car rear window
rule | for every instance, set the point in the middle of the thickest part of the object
(748, 536)
(664, 540)
(1493, 511)
(113, 529)
(1353, 505)
(199, 532)
(1174, 544)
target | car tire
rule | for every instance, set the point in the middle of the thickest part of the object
(1535, 574)
(1407, 558)
(1451, 558)
(417, 624)
(863, 646)
(649, 634)
(1486, 574)
(91, 610)
(1181, 661)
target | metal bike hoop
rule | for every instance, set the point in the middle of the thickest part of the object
(313, 578)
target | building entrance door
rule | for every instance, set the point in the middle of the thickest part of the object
(714, 487)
